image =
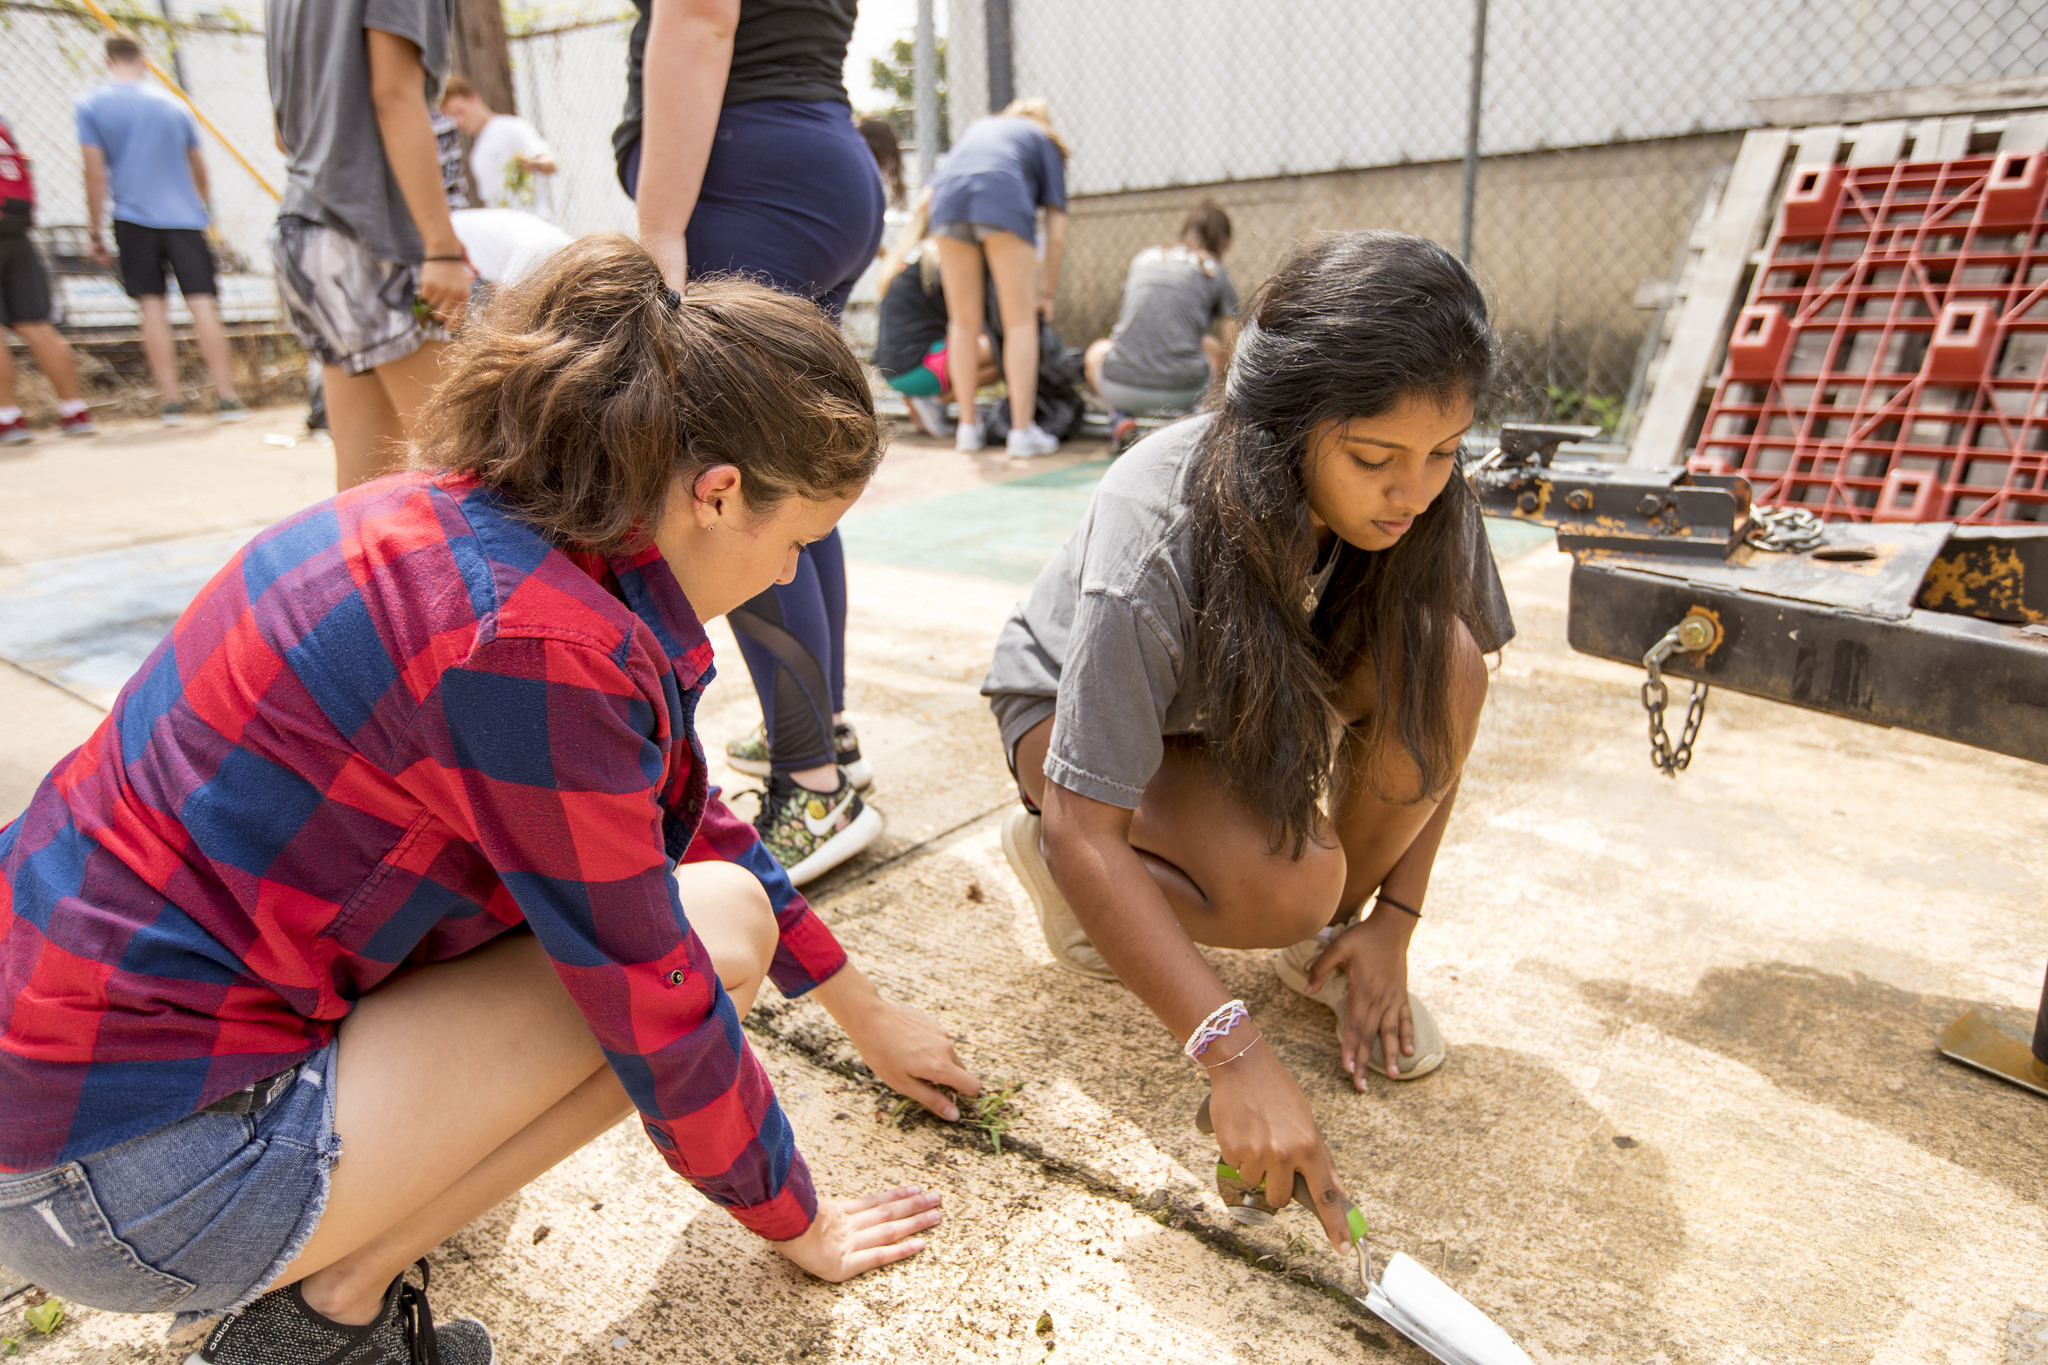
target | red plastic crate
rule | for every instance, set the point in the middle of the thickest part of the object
(1892, 362)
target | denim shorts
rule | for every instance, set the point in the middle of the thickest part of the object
(974, 234)
(197, 1217)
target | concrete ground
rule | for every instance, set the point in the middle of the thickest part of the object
(1692, 1109)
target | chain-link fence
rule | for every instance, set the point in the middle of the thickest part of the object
(54, 53)
(1603, 127)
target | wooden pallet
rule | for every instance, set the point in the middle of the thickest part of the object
(1688, 344)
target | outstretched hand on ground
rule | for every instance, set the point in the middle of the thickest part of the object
(1374, 956)
(850, 1237)
(907, 1048)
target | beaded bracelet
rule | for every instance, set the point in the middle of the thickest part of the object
(1221, 1020)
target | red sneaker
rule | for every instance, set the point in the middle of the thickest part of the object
(79, 423)
(14, 433)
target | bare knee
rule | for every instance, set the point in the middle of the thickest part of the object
(1287, 899)
(729, 909)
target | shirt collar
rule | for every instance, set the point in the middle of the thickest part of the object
(650, 590)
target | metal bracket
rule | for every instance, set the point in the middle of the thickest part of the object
(1610, 507)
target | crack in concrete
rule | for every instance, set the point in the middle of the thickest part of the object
(853, 880)
(52, 682)
(1162, 1206)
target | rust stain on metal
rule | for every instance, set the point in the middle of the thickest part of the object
(1983, 579)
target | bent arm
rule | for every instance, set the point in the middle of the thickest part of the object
(689, 56)
(398, 93)
(1128, 919)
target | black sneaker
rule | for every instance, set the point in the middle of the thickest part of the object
(846, 753)
(280, 1329)
(810, 833)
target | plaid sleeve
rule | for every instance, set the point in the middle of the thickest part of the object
(553, 757)
(808, 954)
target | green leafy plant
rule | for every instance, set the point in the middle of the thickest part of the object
(46, 1317)
(1571, 405)
(994, 1111)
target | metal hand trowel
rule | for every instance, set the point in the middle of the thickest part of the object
(1406, 1297)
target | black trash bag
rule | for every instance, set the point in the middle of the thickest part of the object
(1059, 393)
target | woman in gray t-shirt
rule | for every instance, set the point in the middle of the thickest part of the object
(1162, 355)
(1243, 693)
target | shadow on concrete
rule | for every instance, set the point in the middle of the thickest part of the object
(1861, 1048)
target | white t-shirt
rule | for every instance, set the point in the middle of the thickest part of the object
(505, 244)
(493, 160)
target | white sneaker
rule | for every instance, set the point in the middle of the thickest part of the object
(1031, 442)
(967, 438)
(1063, 933)
(1291, 966)
(929, 415)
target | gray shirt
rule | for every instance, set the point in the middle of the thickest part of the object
(1108, 627)
(1171, 296)
(319, 60)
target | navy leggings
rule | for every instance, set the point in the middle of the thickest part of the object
(791, 196)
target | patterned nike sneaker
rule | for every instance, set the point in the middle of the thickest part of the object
(281, 1329)
(749, 755)
(810, 833)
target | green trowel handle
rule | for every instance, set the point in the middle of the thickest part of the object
(1238, 1195)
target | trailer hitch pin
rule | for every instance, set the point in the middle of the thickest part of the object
(1695, 634)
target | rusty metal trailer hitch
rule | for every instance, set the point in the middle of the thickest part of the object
(1929, 627)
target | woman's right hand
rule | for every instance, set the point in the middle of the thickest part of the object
(1265, 1129)
(850, 1237)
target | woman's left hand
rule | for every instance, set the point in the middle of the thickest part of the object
(907, 1048)
(1374, 958)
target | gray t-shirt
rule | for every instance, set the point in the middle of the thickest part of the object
(319, 63)
(1171, 296)
(1108, 627)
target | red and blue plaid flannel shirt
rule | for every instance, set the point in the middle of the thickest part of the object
(394, 727)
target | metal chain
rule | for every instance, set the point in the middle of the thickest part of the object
(1671, 759)
(1788, 530)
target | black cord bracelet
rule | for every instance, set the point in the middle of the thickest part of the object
(1384, 899)
(445, 258)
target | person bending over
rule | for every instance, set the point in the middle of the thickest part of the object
(1239, 699)
(393, 878)
(1163, 355)
(911, 336)
(983, 206)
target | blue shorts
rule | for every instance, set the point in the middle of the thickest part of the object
(195, 1218)
(791, 197)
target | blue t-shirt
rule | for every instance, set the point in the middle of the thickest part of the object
(146, 135)
(1000, 172)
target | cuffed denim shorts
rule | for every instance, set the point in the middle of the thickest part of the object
(197, 1217)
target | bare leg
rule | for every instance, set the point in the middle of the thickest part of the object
(53, 354)
(213, 343)
(985, 358)
(1214, 856)
(7, 374)
(1091, 363)
(1013, 265)
(462, 1082)
(368, 437)
(407, 382)
(158, 346)
(960, 277)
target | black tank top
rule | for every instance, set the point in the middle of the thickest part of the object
(782, 50)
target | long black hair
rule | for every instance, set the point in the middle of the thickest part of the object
(1349, 327)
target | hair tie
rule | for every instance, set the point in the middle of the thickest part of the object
(674, 299)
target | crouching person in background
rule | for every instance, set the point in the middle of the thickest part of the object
(392, 878)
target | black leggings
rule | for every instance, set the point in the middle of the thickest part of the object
(794, 639)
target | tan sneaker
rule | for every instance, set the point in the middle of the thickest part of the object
(1291, 966)
(1063, 933)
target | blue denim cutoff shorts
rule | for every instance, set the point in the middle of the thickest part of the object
(197, 1217)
